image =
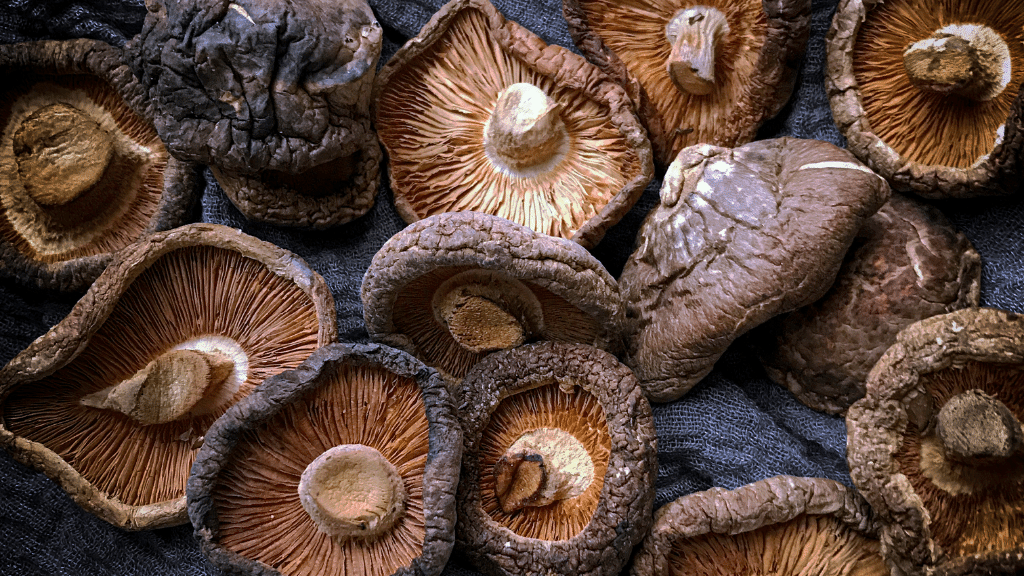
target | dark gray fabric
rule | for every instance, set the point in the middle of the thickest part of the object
(733, 428)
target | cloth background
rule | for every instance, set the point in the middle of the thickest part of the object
(734, 428)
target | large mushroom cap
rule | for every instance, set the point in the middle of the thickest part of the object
(82, 170)
(345, 466)
(478, 114)
(113, 402)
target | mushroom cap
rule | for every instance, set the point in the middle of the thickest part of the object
(932, 145)
(139, 189)
(906, 263)
(343, 394)
(757, 65)
(147, 302)
(588, 393)
(782, 525)
(891, 441)
(741, 235)
(434, 97)
(578, 299)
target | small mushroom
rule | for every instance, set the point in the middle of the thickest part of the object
(455, 287)
(346, 465)
(936, 444)
(558, 472)
(478, 114)
(113, 402)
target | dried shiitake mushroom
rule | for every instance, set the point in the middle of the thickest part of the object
(741, 235)
(478, 114)
(346, 465)
(906, 263)
(926, 92)
(558, 473)
(701, 72)
(113, 402)
(784, 526)
(82, 170)
(452, 288)
(274, 96)
(936, 444)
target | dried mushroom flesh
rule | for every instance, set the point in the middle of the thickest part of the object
(478, 114)
(701, 72)
(452, 288)
(936, 444)
(906, 263)
(83, 172)
(558, 472)
(781, 526)
(741, 235)
(273, 96)
(346, 466)
(113, 402)
(926, 92)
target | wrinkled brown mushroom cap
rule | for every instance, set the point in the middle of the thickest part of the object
(437, 99)
(84, 173)
(934, 508)
(755, 67)
(935, 145)
(269, 311)
(783, 525)
(249, 519)
(589, 394)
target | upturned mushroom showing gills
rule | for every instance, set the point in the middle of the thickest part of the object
(345, 466)
(82, 170)
(452, 288)
(699, 71)
(478, 114)
(782, 526)
(926, 92)
(558, 473)
(936, 444)
(113, 402)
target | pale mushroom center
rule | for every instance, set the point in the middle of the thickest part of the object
(525, 134)
(541, 467)
(969, 60)
(352, 491)
(695, 34)
(486, 310)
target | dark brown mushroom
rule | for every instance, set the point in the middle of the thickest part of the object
(558, 472)
(83, 172)
(936, 444)
(113, 402)
(478, 114)
(346, 465)
(741, 235)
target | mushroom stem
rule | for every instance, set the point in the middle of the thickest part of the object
(167, 389)
(969, 60)
(695, 34)
(541, 467)
(486, 311)
(525, 129)
(974, 426)
(352, 491)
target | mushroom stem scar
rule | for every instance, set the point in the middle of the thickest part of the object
(968, 60)
(541, 467)
(525, 129)
(695, 34)
(486, 311)
(975, 426)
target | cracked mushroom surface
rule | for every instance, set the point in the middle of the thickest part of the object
(926, 92)
(907, 263)
(83, 172)
(273, 96)
(347, 465)
(559, 464)
(453, 288)
(936, 444)
(783, 526)
(113, 402)
(740, 236)
(478, 114)
(700, 72)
